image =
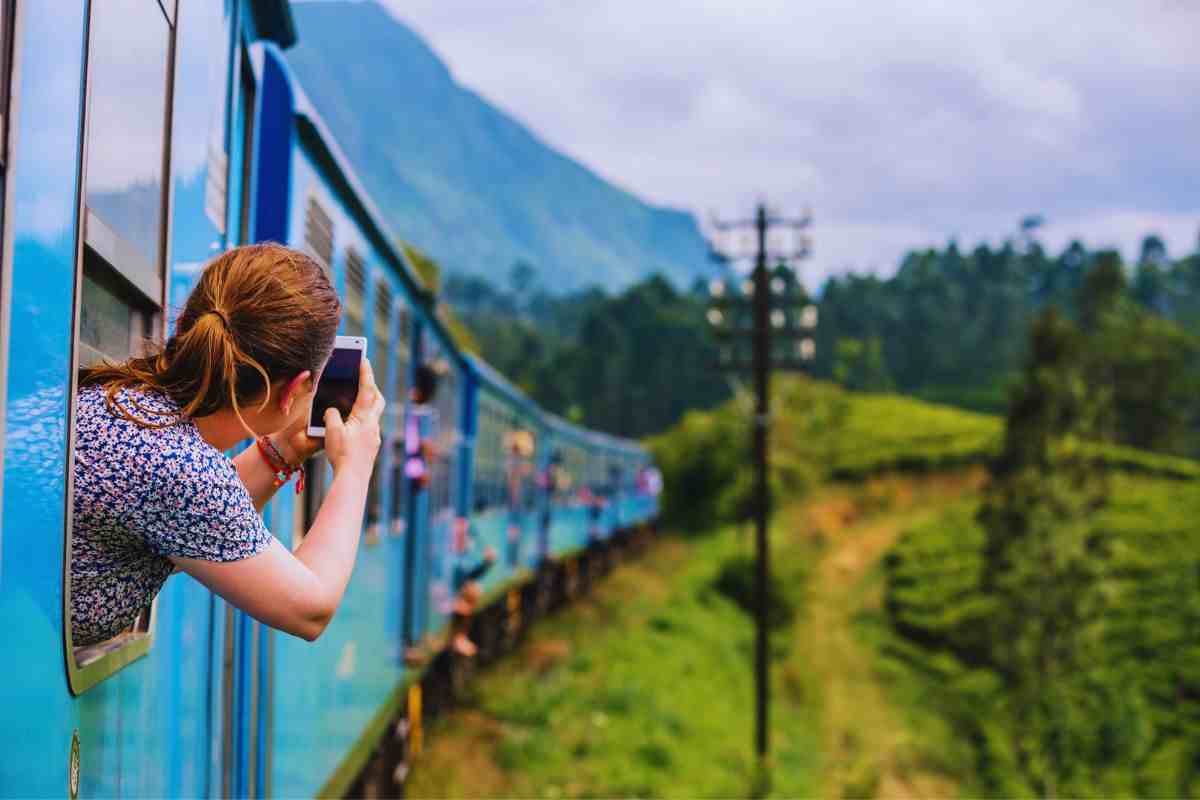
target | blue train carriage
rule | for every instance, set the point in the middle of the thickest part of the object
(125, 128)
(187, 138)
(507, 444)
(340, 690)
(196, 699)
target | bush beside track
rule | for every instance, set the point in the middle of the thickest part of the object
(821, 432)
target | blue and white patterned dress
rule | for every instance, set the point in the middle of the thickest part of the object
(141, 495)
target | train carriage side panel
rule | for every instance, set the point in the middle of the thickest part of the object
(327, 692)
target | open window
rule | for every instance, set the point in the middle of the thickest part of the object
(120, 276)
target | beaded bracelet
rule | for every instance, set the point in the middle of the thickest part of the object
(279, 465)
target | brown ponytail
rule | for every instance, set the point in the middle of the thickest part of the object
(260, 314)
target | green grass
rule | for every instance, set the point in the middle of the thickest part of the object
(887, 432)
(643, 689)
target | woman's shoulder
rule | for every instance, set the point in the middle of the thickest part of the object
(141, 428)
(129, 405)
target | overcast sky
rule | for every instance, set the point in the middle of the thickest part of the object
(900, 123)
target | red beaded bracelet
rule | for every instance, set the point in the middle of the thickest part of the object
(279, 465)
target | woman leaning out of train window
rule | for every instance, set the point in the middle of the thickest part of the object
(153, 489)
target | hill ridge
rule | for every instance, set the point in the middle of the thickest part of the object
(464, 180)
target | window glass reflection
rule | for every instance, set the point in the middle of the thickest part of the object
(127, 120)
(113, 322)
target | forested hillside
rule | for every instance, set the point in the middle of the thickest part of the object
(463, 180)
(947, 327)
(631, 363)
(951, 325)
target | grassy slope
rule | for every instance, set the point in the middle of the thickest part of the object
(644, 689)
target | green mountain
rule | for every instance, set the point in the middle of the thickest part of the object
(462, 180)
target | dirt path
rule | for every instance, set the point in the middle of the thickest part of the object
(868, 752)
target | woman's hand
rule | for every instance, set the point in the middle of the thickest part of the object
(353, 444)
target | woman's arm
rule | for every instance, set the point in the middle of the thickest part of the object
(296, 593)
(299, 593)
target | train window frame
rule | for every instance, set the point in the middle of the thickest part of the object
(100, 251)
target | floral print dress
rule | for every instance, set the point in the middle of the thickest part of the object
(143, 494)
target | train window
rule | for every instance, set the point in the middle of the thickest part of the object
(120, 282)
(128, 64)
(354, 311)
(114, 322)
(381, 325)
(446, 439)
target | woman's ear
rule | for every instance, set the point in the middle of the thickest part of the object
(296, 387)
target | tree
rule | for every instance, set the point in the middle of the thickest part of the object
(521, 278)
(859, 365)
(1154, 251)
(1043, 559)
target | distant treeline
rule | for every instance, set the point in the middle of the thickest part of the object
(630, 363)
(948, 326)
(954, 327)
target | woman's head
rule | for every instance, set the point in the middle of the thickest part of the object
(260, 316)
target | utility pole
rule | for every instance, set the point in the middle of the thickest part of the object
(770, 310)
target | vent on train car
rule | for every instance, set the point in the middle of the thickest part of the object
(356, 293)
(383, 316)
(318, 232)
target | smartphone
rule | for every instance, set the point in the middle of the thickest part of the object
(338, 387)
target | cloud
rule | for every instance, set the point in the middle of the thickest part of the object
(900, 123)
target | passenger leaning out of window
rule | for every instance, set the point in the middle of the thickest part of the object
(154, 490)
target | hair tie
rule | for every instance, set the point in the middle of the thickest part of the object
(220, 315)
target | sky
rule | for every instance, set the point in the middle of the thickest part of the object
(900, 124)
